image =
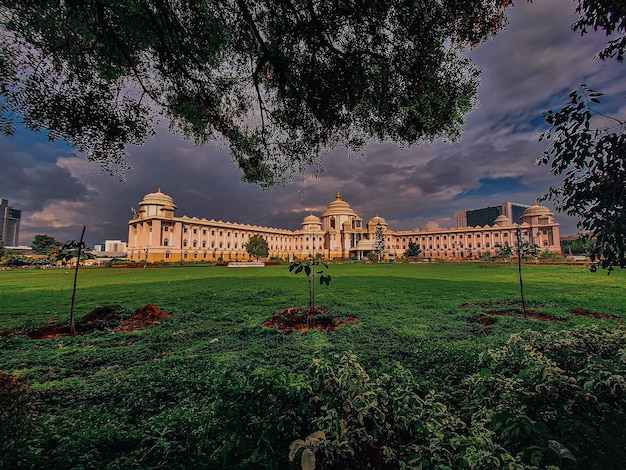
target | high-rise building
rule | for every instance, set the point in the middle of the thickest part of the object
(487, 215)
(9, 224)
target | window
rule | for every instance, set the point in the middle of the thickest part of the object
(204, 244)
(165, 242)
(185, 256)
(195, 243)
(185, 230)
(184, 242)
(166, 228)
(195, 230)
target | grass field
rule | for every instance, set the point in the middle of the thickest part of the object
(213, 388)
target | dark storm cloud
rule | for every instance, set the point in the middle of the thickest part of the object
(526, 70)
(31, 184)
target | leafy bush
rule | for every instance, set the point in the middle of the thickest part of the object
(378, 422)
(16, 414)
(552, 397)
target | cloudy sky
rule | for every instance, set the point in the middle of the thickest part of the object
(527, 69)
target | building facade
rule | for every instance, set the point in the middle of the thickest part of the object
(156, 234)
(9, 224)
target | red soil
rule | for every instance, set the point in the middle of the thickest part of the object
(101, 318)
(295, 319)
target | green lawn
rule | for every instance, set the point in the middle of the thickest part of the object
(171, 395)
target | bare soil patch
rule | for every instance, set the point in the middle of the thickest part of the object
(508, 309)
(583, 312)
(114, 318)
(513, 309)
(295, 319)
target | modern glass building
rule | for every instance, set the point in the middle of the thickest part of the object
(9, 224)
(487, 215)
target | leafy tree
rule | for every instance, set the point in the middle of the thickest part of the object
(589, 147)
(278, 80)
(44, 244)
(257, 247)
(606, 15)
(504, 251)
(413, 250)
(581, 246)
(380, 247)
(591, 155)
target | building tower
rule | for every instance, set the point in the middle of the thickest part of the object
(9, 224)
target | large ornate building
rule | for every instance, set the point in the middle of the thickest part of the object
(155, 234)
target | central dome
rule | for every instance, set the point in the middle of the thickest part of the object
(339, 207)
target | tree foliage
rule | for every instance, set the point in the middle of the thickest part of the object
(257, 247)
(413, 250)
(380, 246)
(608, 16)
(589, 148)
(44, 244)
(279, 81)
(590, 153)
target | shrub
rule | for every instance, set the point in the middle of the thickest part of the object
(550, 396)
(16, 414)
(378, 422)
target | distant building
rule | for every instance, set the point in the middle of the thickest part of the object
(156, 234)
(111, 248)
(488, 215)
(9, 224)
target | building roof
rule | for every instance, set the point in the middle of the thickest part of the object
(537, 210)
(311, 219)
(339, 207)
(377, 220)
(158, 199)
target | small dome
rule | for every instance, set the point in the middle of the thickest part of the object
(374, 221)
(311, 219)
(158, 199)
(537, 210)
(502, 220)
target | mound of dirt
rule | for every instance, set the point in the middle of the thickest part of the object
(583, 312)
(295, 319)
(115, 318)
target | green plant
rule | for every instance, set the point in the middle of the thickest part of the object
(257, 247)
(376, 420)
(548, 395)
(413, 250)
(310, 268)
(308, 445)
(16, 415)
